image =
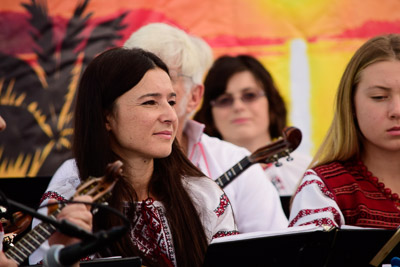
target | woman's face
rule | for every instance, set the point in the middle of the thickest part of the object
(143, 122)
(242, 120)
(2, 124)
(377, 106)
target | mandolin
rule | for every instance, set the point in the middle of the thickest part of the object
(290, 140)
(98, 188)
(18, 224)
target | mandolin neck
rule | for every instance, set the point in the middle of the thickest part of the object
(32, 240)
(98, 188)
(233, 172)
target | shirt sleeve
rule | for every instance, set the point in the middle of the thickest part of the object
(314, 204)
(62, 186)
(213, 206)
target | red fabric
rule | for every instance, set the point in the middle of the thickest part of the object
(151, 234)
(360, 196)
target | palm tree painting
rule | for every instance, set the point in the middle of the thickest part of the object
(37, 96)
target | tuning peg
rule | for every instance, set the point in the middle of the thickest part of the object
(278, 164)
(3, 209)
(276, 159)
(287, 154)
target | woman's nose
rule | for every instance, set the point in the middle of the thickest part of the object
(237, 103)
(394, 110)
(169, 114)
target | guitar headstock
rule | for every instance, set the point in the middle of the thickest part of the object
(99, 187)
(290, 140)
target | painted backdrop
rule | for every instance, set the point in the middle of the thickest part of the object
(45, 46)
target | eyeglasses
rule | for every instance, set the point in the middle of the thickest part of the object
(226, 100)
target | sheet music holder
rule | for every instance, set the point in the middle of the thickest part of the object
(110, 262)
(312, 246)
(357, 247)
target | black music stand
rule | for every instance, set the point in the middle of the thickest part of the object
(109, 262)
(337, 247)
(357, 247)
(112, 262)
(309, 248)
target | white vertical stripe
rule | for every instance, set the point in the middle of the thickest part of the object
(300, 92)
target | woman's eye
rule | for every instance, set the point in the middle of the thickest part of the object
(250, 96)
(172, 102)
(226, 100)
(379, 97)
(150, 102)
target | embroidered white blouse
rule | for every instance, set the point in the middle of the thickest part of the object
(210, 201)
(314, 204)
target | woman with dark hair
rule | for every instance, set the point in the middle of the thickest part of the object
(354, 177)
(243, 106)
(125, 111)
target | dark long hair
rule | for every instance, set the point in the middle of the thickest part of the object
(107, 77)
(215, 85)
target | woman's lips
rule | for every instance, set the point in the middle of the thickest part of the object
(164, 134)
(394, 131)
(240, 120)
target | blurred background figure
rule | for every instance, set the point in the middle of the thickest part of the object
(243, 106)
(254, 199)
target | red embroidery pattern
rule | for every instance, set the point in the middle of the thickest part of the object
(321, 186)
(151, 234)
(223, 203)
(321, 222)
(277, 182)
(306, 212)
(387, 192)
(352, 188)
(225, 233)
(52, 194)
(363, 200)
(364, 210)
(366, 217)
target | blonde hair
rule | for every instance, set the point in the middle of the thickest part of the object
(205, 54)
(344, 139)
(175, 47)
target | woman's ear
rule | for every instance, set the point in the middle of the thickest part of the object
(195, 98)
(107, 118)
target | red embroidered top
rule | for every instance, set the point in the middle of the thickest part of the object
(344, 193)
(150, 231)
(362, 199)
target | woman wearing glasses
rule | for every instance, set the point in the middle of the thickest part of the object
(242, 105)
